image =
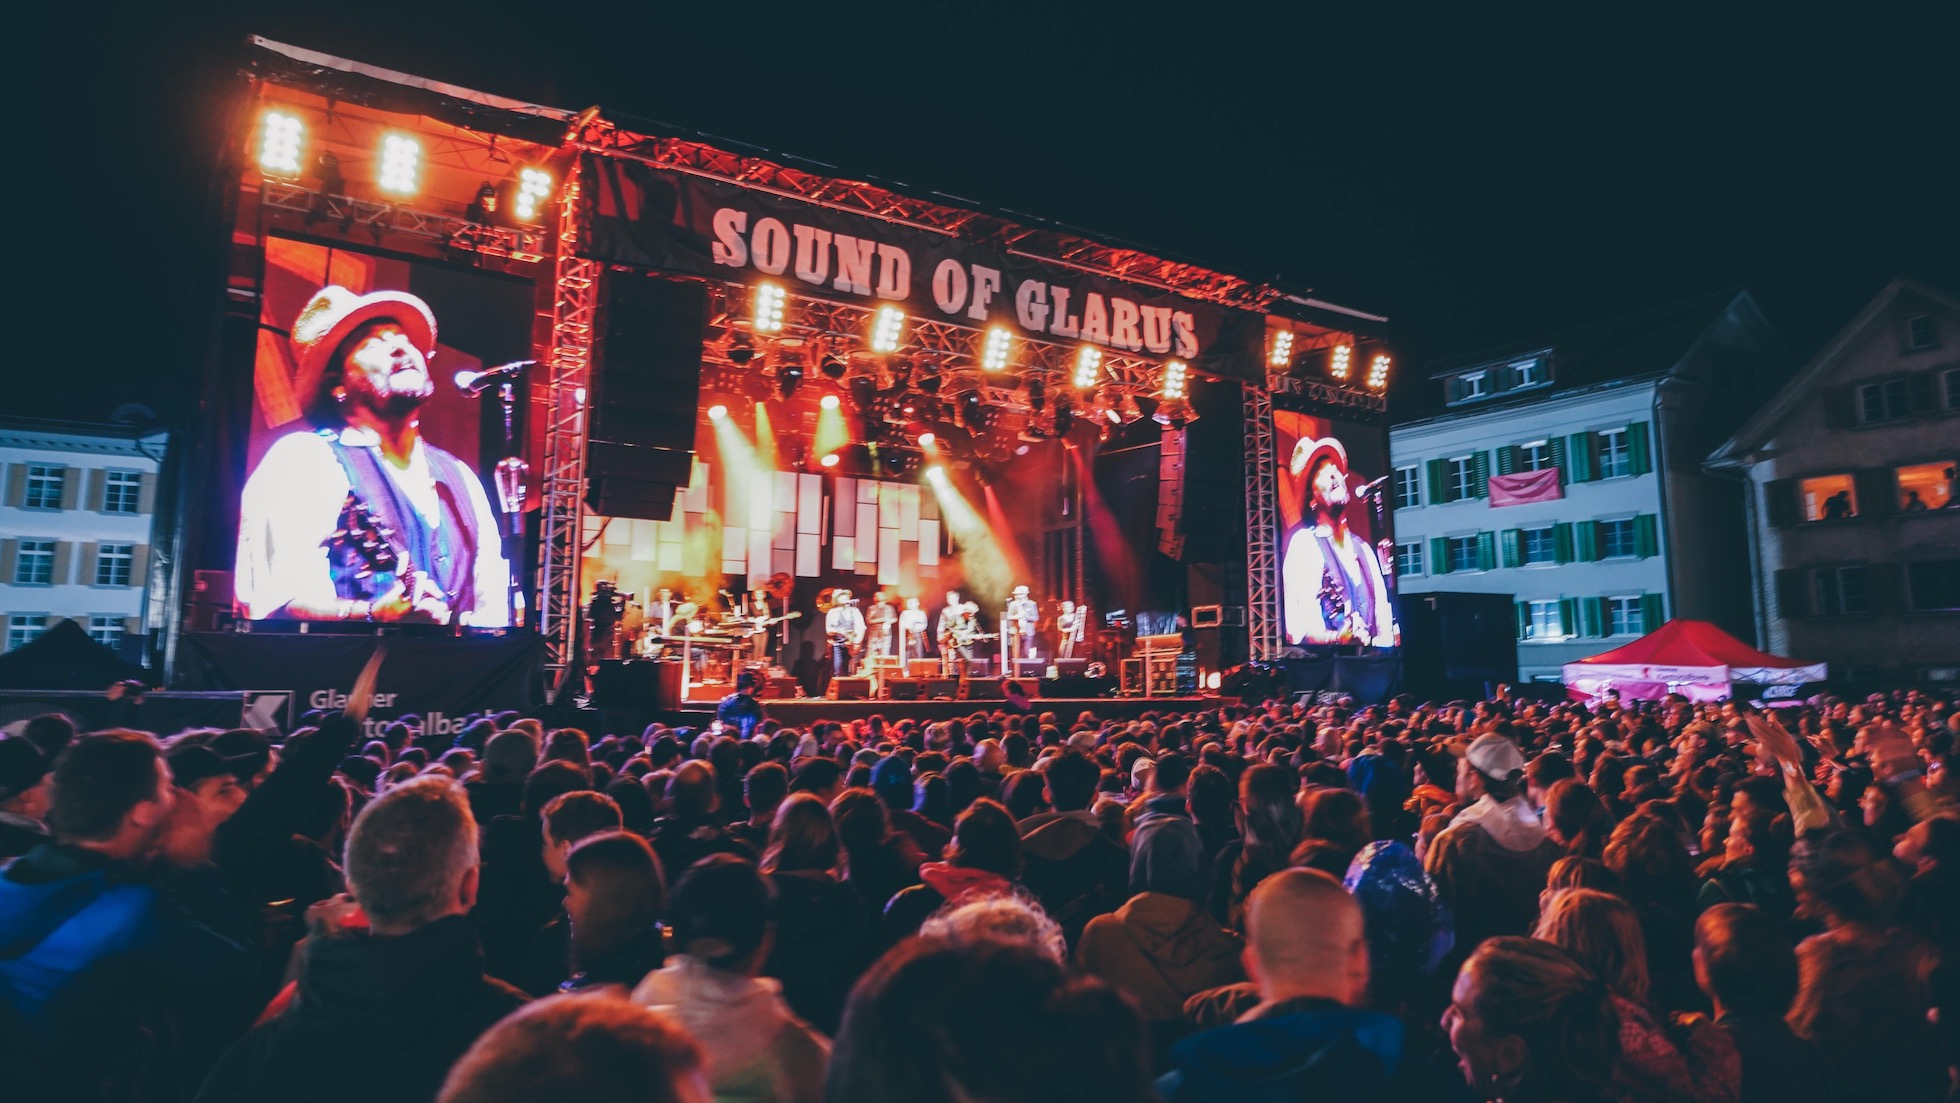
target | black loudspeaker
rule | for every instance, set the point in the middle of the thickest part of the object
(645, 395)
(850, 689)
(1457, 644)
(636, 684)
(1077, 686)
(904, 689)
(1030, 668)
(1071, 668)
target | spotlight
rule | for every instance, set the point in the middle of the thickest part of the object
(1175, 415)
(401, 163)
(533, 192)
(832, 367)
(1037, 393)
(484, 207)
(1173, 386)
(1114, 417)
(936, 473)
(929, 378)
(740, 351)
(1064, 419)
(993, 356)
(1338, 365)
(887, 329)
(1088, 367)
(789, 376)
(769, 308)
(717, 412)
(829, 459)
(863, 392)
(901, 374)
(1378, 372)
(1021, 451)
(1282, 354)
(279, 142)
(828, 402)
(927, 440)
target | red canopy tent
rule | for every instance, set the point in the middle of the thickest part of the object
(1690, 657)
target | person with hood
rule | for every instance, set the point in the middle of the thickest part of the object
(1162, 946)
(1309, 1036)
(891, 779)
(1490, 863)
(757, 1050)
(1074, 867)
(1409, 931)
(385, 1008)
(983, 859)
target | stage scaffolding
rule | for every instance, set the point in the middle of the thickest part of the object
(1261, 527)
(575, 302)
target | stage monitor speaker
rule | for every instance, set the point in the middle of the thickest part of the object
(645, 395)
(1030, 668)
(936, 688)
(904, 689)
(922, 668)
(850, 689)
(775, 689)
(988, 690)
(1071, 668)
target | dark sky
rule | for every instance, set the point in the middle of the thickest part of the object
(1475, 176)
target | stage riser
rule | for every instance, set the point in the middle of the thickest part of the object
(803, 712)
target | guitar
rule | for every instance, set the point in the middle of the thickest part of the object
(765, 622)
(362, 547)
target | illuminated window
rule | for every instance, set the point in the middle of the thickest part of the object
(1539, 545)
(1828, 498)
(1544, 621)
(1623, 616)
(1408, 559)
(1408, 487)
(1886, 400)
(1920, 333)
(114, 563)
(1933, 586)
(25, 628)
(122, 491)
(34, 563)
(1926, 486)
(45, 483)
(107, 631)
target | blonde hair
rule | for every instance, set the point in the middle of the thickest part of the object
(1603, 933)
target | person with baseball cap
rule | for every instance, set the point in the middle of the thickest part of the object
(361, 377)
(23, 796)
(1490, 864)
(1331, 578)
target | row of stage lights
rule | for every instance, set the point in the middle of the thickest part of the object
(282, 143)
(1340, 361)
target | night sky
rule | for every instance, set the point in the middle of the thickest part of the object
(1476, 179)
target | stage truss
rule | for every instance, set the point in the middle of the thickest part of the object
(575, 302)
(1261, 527)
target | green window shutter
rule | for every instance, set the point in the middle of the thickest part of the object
(1480, 473)
(1581, 454)
(1650, 612)
(1513, 547)
(1524, 618)
(1646, 536)
(1438, 488)
(1507, 459)
(1558, 456)
(1639, 456)
(1568, 616)
(1439, 555)
(1486, 551)
(1562, 541)
(1593, 612)
(1585, 540)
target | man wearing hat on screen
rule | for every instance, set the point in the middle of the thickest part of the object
(1331, 579)
(362, 367)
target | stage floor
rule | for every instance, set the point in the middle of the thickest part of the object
(801, 711)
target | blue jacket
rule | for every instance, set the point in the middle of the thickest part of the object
(740, 711)
(1302, 1050)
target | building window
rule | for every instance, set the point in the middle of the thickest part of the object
(1623, 616)
(1408, 559)
(1543, 621)
(34, 564)
(1475, 384)
(1950, 388)
(107, 631)
(1527, 373)
(1933, 586)
(25, 628)
(1843, 591)
(1887, 400)
(44, 485)
(1536, 456)
(1463, 553)
(114, 563)
(1408, 487)
(1920, 333)
(121, 491)
(1539, 545)
(1462, 475)
(1828, 498)
(1925, 486)
(1617, 540)
(1615, 454)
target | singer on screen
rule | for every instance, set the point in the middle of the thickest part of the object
(1331, 578)
(363, 519)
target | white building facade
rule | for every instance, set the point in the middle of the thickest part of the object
(77, 512)
(1630, 531)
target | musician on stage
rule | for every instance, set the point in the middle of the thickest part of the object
(959, 625)
(1023, 616)
(844, 627)
(757, 609)
(666, 606)
(1069, 626)
(604, 614)
(911, 633)
(880, 618)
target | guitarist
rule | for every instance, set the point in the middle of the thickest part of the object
(362, 376)
(844, 627)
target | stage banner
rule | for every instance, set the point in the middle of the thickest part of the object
(633, 213)
(440, 679)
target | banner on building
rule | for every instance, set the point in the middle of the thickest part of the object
(1525, 487)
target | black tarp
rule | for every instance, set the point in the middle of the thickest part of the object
(64, 657)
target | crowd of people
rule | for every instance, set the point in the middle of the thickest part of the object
(1501, 899)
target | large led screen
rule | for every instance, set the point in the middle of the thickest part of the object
(1337, 548)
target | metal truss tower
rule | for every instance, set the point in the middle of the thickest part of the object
(1261, 527)
(575, 303)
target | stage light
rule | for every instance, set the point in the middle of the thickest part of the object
(864, 392)
(1338, 365)
(740, 351)
(829, 459)
(936, 473)
(1037, 393)
(1064, 419)
(828, 402)
(1173, 388)
(717, 412)
(1021, 451)
(887, 329)
(1088, 367)
(929, 377)
(973, 411)
(1378, 372)
(832, 367)
(1114, 417)
(484, 207)
(769, 299)
(1282, 355)
(279, 141)
(533, 192)
(401, 164)
(788, 377)
(927, 440)
(993, 356)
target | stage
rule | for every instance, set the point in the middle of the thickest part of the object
(800, 712)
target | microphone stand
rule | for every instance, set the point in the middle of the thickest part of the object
(513, 474)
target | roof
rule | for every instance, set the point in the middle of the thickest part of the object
(1759, 428)
(1690, 643)
(1646, 343)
